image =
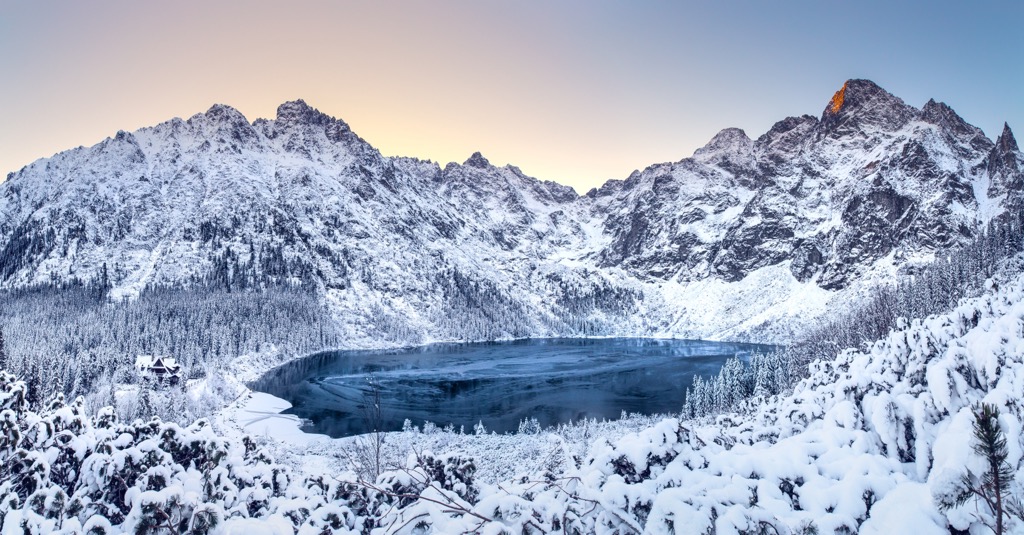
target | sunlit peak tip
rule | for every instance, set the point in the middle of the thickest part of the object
(838, 99)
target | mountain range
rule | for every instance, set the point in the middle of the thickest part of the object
(747, 238)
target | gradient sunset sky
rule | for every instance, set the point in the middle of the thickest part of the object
(572, 91)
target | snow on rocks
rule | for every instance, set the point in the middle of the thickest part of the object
(401, 250)
(866, 436)
(874, 441)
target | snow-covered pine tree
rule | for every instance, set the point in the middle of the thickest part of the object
(688, 409)
(769, 374)
(692, 406)
(145, 403)
(703, 395)
(3, 351)
(732, 381)
(992, 487)
(34, 396)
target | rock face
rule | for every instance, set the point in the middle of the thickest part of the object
(873, 177)
(813, 205)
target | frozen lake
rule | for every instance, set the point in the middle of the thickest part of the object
(499, 383)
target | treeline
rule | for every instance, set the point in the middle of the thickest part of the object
(764, 375)
(931, 289)
(71, 339)
(478, 309)
(934, 288)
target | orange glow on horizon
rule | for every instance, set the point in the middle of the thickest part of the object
(577, 92)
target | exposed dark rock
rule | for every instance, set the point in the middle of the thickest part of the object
(873, 177)
(477, 160)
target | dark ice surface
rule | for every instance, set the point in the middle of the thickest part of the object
(554, 380)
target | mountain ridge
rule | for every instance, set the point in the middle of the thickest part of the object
(812, 207)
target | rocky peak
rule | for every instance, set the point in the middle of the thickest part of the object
(1003, 162)
(224, 119)
(477, 160)
(941, 115)
(858, 95)
(222, 113)
(127, 137)
(732, 140)
(860, 104)
(1006, 169)
(123, 145)
(298, 112)
(938, 113)
(219, 115)
(293, 115)
(838, 100)
(731, 150)
(787, 133)
(935, 112)
(1006, 143)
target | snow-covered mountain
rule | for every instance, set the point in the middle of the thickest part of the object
(873, 177)
(743, 235)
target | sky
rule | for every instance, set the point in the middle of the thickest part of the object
(573, 91)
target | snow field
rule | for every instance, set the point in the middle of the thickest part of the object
(872, 442)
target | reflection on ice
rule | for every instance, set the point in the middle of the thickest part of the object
(498, 383)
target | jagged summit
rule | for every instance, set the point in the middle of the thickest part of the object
(1006, 142)
(727, 139)
(298, 112)
(477, 160)
(219, 114)
(949, 122)
(856, 93)
(730, 150)
(226, 120)
(1005, 167)
(939, 113)
(838, 100)
(810, 206)
(224, 112)
(861, 104)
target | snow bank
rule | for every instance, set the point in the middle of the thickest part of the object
(261, 415)
(874, 441)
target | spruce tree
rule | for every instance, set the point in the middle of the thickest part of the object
(992, 486)
(145, 404)
(3, 351)
(34, 396)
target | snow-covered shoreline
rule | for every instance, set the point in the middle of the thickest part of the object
(261, 415)
(874, 440)
(869, 443)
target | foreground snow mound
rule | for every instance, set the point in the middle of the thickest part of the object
(875, 441)
(62, 472)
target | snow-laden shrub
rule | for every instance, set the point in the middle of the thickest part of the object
(61, 468)
(872, 441)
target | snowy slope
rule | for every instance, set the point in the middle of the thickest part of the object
(871, 442)
(405, 250)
